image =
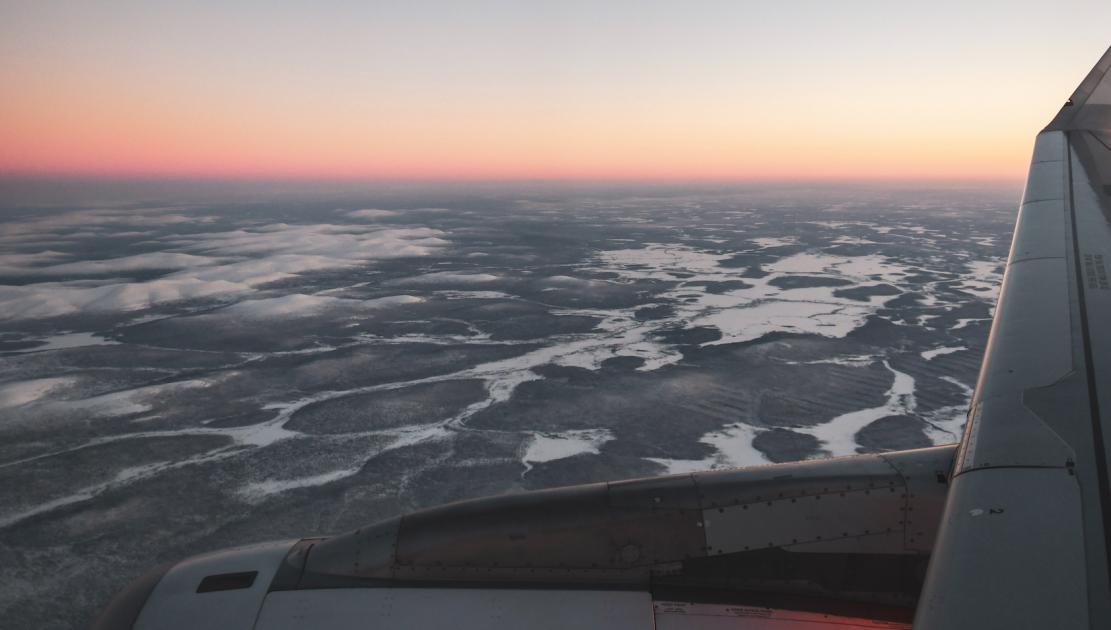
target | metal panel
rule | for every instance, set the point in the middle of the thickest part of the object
(122, 612)
(1046, 182)
(926, 484)
(1049, 147)
(586, 534)
(1040, 231)
(175, 602)
(1031, 345)
(799, 479)
(679, 492)
(368, 552)
(874, 504)
(1013, 554)
(790, 521)
(458, 609)
(543, 529)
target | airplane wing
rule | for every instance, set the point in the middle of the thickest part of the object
(1026, 535)
(1006, 530)
(785, 546)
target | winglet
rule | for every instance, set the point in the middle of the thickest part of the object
(1089, 107)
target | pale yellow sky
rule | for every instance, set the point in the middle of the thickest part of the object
(500, 90)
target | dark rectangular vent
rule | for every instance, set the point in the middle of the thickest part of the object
(227, 582)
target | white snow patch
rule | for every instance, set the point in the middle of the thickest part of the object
(753, 322)
(256, 491)
(839, 435)
(733, 445)
(773, 241)
(983, 279)
(945, 425)
(749, 313)
(929, 355)
(852, 360)
(965, 321)
(852, 240)
(546, 447)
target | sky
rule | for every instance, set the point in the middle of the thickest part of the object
(484, 90)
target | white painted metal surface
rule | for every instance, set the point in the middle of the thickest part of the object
(455, 609)
(175, 603)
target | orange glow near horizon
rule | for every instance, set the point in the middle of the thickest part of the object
(693, 111)
(679, 141)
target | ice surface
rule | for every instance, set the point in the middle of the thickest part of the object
(768, 241)
(838, 436)
(259, 490)
(930, 355)
(378, 300)
(546, 447)
(733, 449)
(945, 425)
(749, 313)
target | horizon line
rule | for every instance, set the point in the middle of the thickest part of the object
(38, 177)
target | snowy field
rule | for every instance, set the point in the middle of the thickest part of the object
(179, 376)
